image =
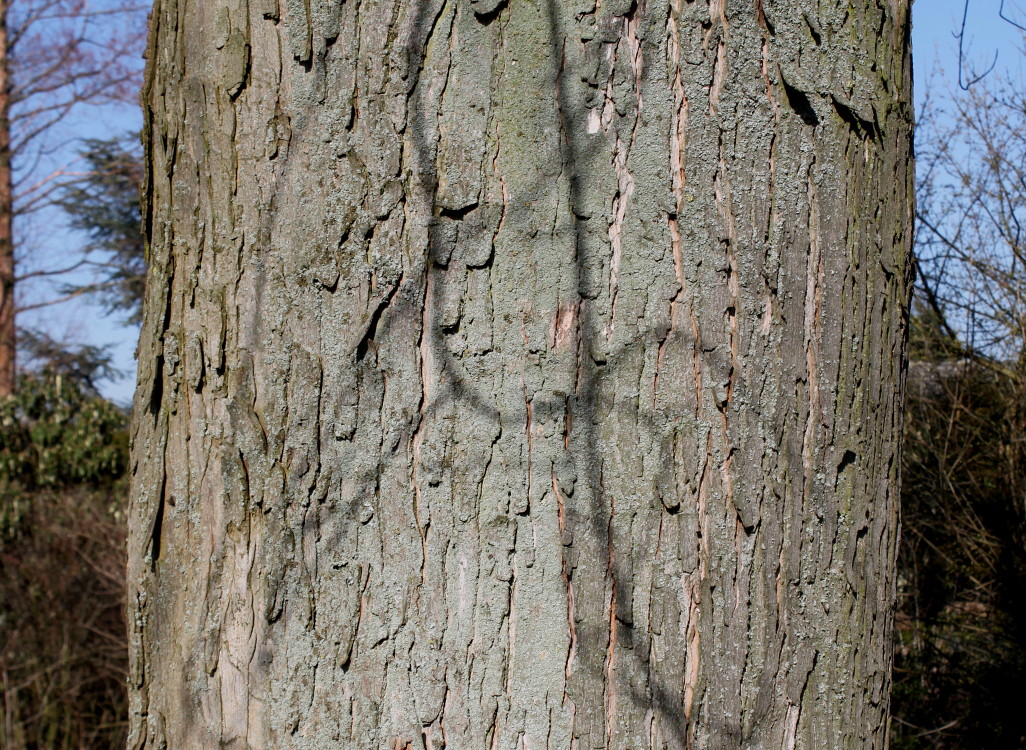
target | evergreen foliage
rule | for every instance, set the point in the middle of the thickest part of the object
(57, 431)
(53, 434)
(105, 206)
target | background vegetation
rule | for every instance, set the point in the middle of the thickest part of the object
(63, 654)
(960, 650)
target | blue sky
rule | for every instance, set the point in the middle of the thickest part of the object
(935, 48)
(936, 65)
(46, 242)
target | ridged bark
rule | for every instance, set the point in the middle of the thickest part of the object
(520, 375)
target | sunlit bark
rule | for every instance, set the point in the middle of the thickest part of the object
(520, 375)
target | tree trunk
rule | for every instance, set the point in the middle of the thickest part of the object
(8, 335)
(520, 375)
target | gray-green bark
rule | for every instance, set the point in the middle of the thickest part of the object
(520, 375)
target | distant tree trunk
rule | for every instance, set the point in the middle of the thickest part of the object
(8, 336)
(520, 375)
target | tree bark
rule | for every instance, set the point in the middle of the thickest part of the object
(520, 375)
(8, 334)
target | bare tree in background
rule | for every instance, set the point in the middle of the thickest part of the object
(971, 240)
(55, 55)
(963, 556)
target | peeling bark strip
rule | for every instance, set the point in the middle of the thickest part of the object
(520, 374)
